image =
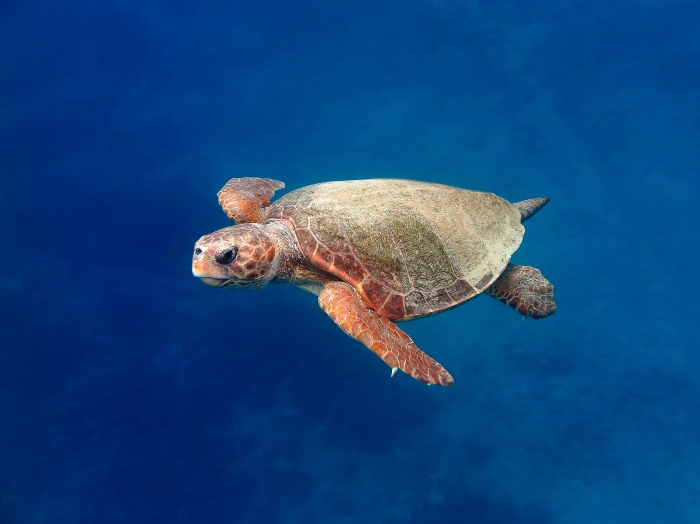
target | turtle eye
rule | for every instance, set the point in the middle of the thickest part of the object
(226, 256)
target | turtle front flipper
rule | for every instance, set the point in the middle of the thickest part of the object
(344, 305)
(524, 289)
(245, 199)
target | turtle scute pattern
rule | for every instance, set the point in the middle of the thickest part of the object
(410, 248)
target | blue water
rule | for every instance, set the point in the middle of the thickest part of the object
(130, 392)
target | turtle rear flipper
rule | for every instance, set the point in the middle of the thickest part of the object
(524, 289)
(344, 305)
(245, 199)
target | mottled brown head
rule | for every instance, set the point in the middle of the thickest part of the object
(235, 257)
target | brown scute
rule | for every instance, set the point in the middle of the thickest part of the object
(394, 307)
(432, 246)
(306, 239)
(376, 292)
(440, 299)
(461, 288)
(324, 254)
(485, 281)
(414, 303)
(350, 264)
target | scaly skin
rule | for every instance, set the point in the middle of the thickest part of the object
(259, 254)
(376, 251)
(530, 207)
(344, 305)
(238, 256)
(525, 290)
(245, 199)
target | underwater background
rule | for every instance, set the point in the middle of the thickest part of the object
(131, 392)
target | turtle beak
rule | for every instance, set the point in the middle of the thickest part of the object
(213, 282)
(198, 270)
(206, 277)
(201, 270)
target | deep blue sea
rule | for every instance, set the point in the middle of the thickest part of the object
(132, 393)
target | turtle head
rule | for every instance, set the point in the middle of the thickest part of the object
(240, 256)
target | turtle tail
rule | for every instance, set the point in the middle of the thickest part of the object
(529, 207)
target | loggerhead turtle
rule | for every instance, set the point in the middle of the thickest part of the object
(376, 252)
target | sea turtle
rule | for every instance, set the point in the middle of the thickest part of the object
(377, 252)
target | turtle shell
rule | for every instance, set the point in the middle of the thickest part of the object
(410, 248)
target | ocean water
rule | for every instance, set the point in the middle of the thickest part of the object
(130, 392)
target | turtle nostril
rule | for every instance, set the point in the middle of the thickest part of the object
(197, 251)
